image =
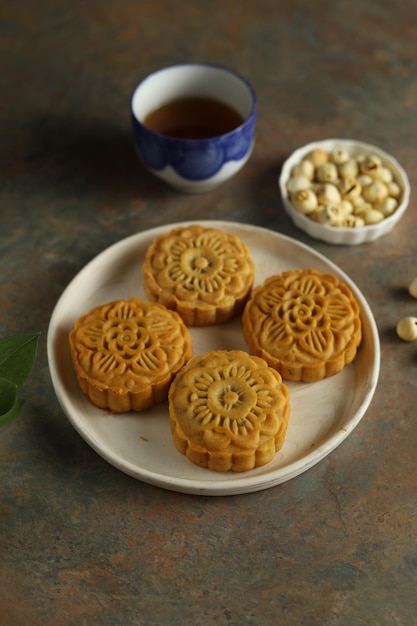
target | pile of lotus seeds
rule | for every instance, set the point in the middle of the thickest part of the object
(338, 189)
(407, 327)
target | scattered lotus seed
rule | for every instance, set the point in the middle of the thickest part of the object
(407, 329)
(413, 288)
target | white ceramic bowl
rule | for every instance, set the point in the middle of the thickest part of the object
(194, 165)
(345, 235)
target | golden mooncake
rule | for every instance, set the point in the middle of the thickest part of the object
(305, 324)
(125, 353)
(228, 411)
(203, 273)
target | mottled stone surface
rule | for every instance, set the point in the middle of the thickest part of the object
(80, 542)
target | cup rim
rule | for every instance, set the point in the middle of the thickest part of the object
(204, 140)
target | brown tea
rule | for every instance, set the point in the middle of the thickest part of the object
(193, 117)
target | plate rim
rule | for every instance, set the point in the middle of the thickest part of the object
(238, 483)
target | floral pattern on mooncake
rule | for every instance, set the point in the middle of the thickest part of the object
(203, 273)
(228, 411)
(304, 324)
(126, 352)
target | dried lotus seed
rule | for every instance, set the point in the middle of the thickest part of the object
(348, 169)
(346, 207)
(394, 189)
(388, 206)
(372, 216)
(370, 165)
(413, 288)
(364, 180)
(328, 193)
(361, 208)
(318, 157)
(327, 173)
(313, 216)
(407, 329)
(304, 201)
(352, 221)
(358, 201)
(339, 156)
(375, 192)
(385, 174)
(330, 214)
(305, 168)
(296, 183)
(354, 189)
(350, 188)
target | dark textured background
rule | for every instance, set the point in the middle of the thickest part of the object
(80, 542)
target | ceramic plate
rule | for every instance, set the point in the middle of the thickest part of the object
(323, 414)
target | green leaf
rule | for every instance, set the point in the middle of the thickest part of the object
(11, 415)
(17, 356)
(8, 392)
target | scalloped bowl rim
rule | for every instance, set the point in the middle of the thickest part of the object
(344, 235)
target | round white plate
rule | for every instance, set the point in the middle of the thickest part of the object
(323, 414)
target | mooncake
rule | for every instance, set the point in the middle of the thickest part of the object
(126, 353)
(304, 323)
(228, 411)
(203, 273)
